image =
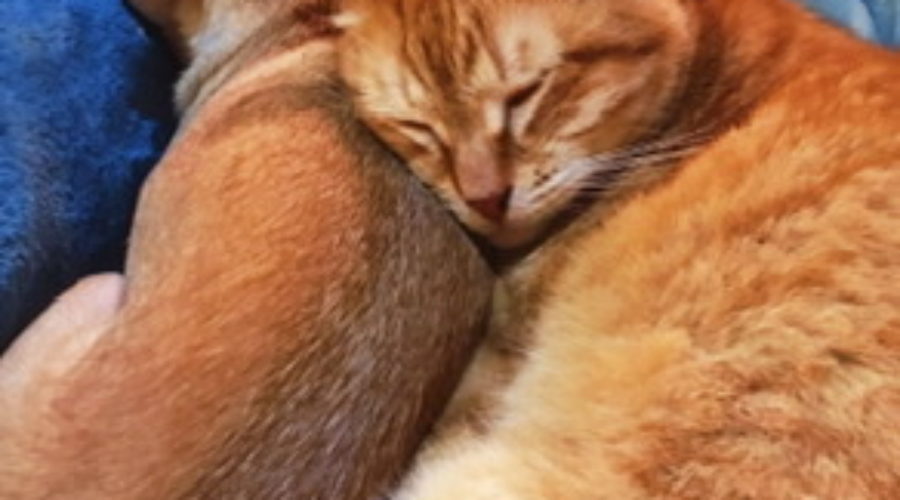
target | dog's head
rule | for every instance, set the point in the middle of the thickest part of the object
(195, 27)
(215, 38)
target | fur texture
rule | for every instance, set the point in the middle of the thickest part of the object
(491, 102)
(298, 308)
(721, 323)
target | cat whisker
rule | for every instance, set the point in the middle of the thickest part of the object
(649, 153)
(585, 180)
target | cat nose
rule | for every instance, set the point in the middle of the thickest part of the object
(492, 207)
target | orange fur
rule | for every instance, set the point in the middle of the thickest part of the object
(724, 325)
(489, 101)
(297, 308)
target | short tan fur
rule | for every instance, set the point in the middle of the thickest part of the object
(297, 310)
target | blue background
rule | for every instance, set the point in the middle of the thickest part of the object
(84, 113)
(877, 20)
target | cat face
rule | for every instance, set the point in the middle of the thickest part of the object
(501, 105)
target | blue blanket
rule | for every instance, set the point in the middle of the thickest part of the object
(84, 113)
(876, 20)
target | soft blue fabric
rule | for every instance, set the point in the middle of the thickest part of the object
(876, 20)
(84, 113)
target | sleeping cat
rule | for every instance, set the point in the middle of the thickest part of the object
(715, 312)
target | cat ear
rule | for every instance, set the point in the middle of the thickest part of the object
(179, 20)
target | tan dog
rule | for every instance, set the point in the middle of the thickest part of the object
(297, 310)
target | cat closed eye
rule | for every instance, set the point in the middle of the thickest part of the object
(420, 130)
(423, 135)
(416, 126)
(591, 55)
(522, 95)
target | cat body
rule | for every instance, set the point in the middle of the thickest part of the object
(296, 312)
(723, 321)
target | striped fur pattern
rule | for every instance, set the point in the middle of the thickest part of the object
(484, 97)
(721, 319)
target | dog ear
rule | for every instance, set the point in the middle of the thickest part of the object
(179, 20)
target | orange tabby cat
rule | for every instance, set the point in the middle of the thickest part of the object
(723, 321)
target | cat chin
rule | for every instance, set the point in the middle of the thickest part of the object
(512, 236)
(514, 233)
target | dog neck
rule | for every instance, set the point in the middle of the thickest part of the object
(231, 39)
